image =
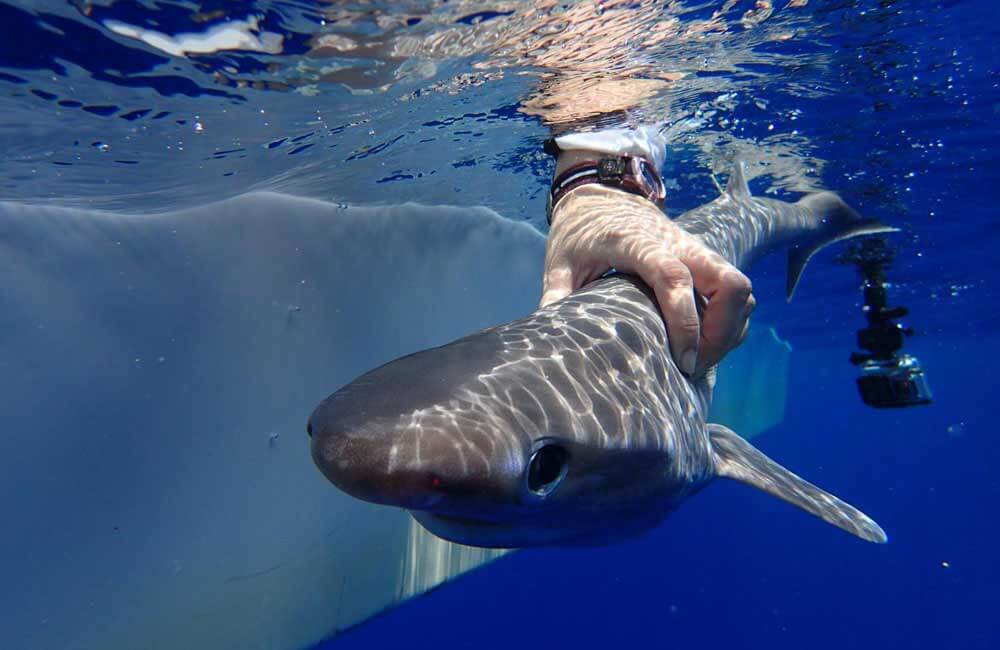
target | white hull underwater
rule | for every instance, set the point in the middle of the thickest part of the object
(157, 375)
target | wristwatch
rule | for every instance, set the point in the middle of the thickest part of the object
(633, 174)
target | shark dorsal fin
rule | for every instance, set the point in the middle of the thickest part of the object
(737, 186)
(737, 459)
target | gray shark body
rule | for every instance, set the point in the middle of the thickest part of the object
(571, 425)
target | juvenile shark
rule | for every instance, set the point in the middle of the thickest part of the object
(572, 425)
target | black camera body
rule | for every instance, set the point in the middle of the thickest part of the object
(888, 378)
(893, 384)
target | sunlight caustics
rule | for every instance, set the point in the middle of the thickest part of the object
(158, 374)
(212, 105)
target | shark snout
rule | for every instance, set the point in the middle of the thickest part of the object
(366, 466)
(391, 460)
(394, 435)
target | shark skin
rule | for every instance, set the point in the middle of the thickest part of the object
(572, 425)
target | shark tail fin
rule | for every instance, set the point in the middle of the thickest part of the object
(737, 459)
(839, 221)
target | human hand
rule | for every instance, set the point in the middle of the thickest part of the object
(596, 228)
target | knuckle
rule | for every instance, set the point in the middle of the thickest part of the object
(557, 275)
(688, 324)
(741, 287)
(613, 235)
(735, 291)
(682, 329)
(674, 274)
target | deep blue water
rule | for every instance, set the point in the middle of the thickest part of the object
(734, 568)
(905, 129)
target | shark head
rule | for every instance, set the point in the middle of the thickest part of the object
(479, 444)
(572, 425)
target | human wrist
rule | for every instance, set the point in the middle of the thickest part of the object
(626, 173)
(567, 159)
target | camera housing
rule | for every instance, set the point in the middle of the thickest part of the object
(893, 384)
(888, 379)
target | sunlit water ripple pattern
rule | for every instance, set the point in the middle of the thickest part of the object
(139, 106)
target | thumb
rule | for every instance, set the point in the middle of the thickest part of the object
(556, 285)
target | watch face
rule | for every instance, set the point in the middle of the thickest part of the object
(610, 168)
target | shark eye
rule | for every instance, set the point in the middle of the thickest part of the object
(547, 468)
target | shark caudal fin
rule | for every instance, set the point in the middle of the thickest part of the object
(840, 222)
(737, 459)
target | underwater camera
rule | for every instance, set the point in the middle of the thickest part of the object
(888, 378)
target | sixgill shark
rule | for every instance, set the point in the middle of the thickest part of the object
(572, 425)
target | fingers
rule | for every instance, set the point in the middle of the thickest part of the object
(674, 264)
(727, 315)
(713, 352)
(674, 289)
(556, 285)
(673, 285)
(727, 301)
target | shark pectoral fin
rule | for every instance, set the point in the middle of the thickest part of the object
(842, 222)
(737, 459)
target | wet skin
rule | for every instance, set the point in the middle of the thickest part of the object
(572, 425)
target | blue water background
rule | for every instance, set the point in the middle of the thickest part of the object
(910, 136)
(736, 569)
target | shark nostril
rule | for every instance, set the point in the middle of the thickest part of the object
(546, 469)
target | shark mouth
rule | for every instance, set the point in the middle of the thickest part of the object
(453, 520)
